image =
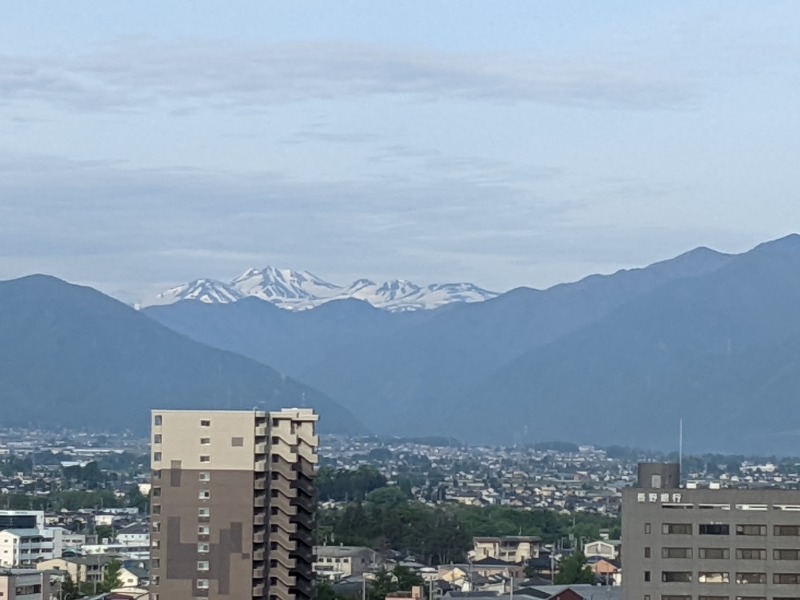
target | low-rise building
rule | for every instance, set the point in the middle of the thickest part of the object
(511, 548)
(337, 562)
(24, 584)
(23, 547)
(81, 569)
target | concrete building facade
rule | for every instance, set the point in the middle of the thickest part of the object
(24, 584)
(709, 544)
(511, 548)
(233, 502)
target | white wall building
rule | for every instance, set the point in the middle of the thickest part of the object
(23, 547)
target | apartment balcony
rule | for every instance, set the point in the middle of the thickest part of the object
(258, 554)
(282, 577)
(260, 501)
(261, 448)
(259, 537)
(305, 485)
(260, 483)
(261, 430)
(258, 591)
(258, 573)
(260, 466)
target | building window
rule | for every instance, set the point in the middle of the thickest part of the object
(155, 563)
(676, 553)
(203, 511)
(713, 577)
(746, 578)
(673, 597)
(647, 552)
(156, 473)
(647, 527)
(205, 458)
(156, 456)
(715, 529)
(237, 442)
(205, 423)
(205, 441)
(157, 438)
(155, 544)
(156, 491)
(713, 598)
(204, 494)
(714, 553)
(751, 530)
(203, 548)
(787, 530)
(156, 526)
(677, 528)
(647, 575)
(203, 530)
(751, 553)
(157, 420)
(156, 509)
(786, 554)
(676, 576)
(202, 565)
(202, 584)
(790, 578)
(204, 476)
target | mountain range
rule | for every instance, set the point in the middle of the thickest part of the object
(301, 290)
(708, 338)
(705, 337)
(73, 357)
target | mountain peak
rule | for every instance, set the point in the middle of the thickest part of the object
(301, 290)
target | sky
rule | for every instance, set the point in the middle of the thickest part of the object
(145, 144)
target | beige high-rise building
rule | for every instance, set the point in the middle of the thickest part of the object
(232, 504)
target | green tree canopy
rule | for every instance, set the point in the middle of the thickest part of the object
(573, 569)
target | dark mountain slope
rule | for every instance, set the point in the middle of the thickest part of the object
(71, 356)
(720, 351)
(393, 381)
(288, 341)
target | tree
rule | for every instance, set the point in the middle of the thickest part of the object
(111, 578)
(573, 569)
(68, 590)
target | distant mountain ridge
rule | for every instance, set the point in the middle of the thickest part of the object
(73, 357)
(302, 290)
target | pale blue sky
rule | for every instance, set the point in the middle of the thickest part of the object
(518, 143)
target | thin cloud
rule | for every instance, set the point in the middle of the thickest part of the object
(243, 78)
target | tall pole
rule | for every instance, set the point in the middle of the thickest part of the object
(680, 451)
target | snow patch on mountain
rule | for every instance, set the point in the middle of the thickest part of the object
(302, 290)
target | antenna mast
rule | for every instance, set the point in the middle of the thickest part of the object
(680, 451)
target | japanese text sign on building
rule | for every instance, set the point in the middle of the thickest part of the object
(658, 497)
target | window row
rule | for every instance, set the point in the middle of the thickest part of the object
(725, 577)
(725, 529)
(725, 553)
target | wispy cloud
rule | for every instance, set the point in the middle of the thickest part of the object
(245, 77)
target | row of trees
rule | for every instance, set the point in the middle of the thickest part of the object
(388, 518)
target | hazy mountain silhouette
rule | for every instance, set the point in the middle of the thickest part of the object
(71, 356)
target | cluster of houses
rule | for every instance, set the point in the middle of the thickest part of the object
(497, 566)
(39, 551)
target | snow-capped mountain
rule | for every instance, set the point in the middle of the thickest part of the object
(284, 287)
(211, 291)
(301, 290)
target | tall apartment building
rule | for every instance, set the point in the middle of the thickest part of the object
(708, 544)
(232, 504)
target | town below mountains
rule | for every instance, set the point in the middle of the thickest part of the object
(708, 338)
